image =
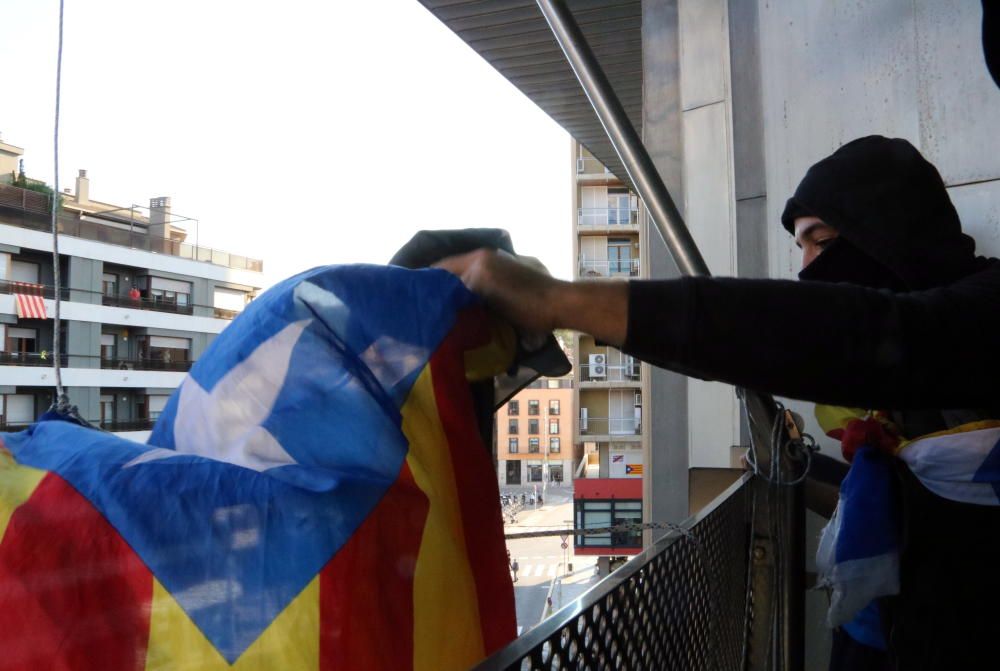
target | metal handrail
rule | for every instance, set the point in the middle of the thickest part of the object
(786, 584)
(531, 642)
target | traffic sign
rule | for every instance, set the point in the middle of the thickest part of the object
(564, 545)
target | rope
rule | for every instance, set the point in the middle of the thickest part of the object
(61, 404)
(799, 448)
(593, 531)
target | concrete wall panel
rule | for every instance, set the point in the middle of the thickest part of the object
(831, 72)
(959, 104)
(707, 187)
(703, 51)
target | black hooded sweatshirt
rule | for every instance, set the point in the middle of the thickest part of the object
(924, 340)
(927, 340)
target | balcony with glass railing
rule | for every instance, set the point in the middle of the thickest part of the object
(625, 372)
(622, 268)
(610, 426)
(614, 218)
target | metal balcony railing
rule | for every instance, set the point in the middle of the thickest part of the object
(146, 303)
(624, 268)
(607, 217)
(126, 425)
(613, 426)
(681, 604)
(602, 373)
(115, 300)
(31, 359)
(44, 358)
(31, 203)
(146, 364)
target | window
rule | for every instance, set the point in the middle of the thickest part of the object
(513, 407)
(108, 346)
(619, 206)
(512, 445)
(554, 406)
(21, 341)
(554, 444)
(162, 351)
(533, 407)
(533, 445)
(230, 300)
(533, 426)
(619, 256)
(512, 426)
(107, 408)
(24, 271)
(553, 426)
(156, 405)
(592, 514)
(109, 284)
(167, 293)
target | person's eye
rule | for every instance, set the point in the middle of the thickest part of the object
(824, 243)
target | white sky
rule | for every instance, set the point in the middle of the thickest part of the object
(302, 132)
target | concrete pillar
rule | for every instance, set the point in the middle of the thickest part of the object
(665, 439)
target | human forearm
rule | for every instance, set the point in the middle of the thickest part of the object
(822, 342)
(597, 308)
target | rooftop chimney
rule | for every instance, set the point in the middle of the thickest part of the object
(159, 217)
(82, 188)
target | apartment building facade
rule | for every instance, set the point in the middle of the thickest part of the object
(139, 303)
(609, 425)
(535, 435)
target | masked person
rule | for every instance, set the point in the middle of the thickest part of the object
(894, 313)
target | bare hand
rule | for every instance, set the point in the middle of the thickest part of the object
(536, 303)
(517, 289)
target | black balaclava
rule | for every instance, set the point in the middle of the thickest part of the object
(897, 227)
(991, 37)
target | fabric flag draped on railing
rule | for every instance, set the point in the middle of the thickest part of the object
(315, 496)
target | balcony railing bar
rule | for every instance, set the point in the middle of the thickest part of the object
(613, 373)
(624, 268)
(607, 217)
(38, 359)
(613, 426)
(122, 301)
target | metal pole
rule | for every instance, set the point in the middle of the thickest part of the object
(624, 138)
(790, 604)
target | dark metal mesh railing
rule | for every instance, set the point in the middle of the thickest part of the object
(681, 604)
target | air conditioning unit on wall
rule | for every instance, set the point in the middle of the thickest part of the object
(598, 366)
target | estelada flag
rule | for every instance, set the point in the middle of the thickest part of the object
(315, 495)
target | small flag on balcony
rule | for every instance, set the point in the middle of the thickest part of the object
(29, 300)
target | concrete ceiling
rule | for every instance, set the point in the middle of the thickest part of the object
(514, 38)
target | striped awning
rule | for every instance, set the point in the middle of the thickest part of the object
(514, 38)
(29, 300)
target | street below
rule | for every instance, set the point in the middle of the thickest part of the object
(543, 561)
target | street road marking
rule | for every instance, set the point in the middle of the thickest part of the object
(526, 570)
(552, 570)
(539, 570)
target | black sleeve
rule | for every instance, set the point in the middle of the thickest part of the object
(828, 343)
